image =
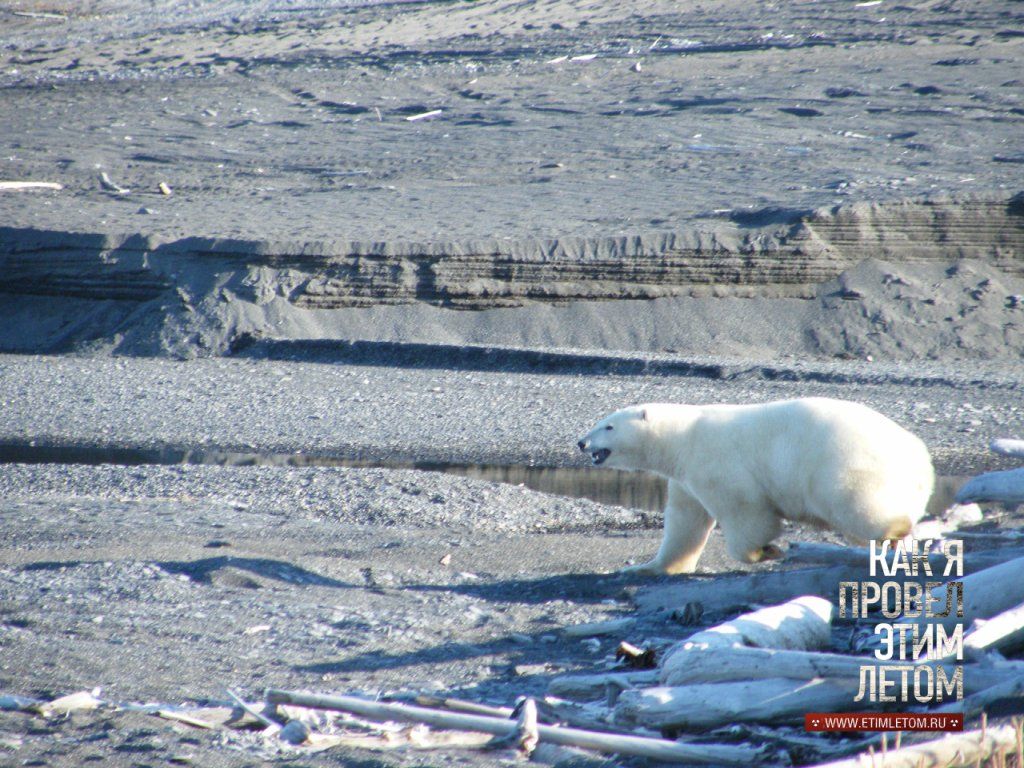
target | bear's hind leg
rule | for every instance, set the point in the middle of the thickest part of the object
(749, 530)
(687, 527)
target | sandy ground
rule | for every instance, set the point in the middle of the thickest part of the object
(270, 122)
(173, 583)
(611, 134)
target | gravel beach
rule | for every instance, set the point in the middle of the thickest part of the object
(301, 329)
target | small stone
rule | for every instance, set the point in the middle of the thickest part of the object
(295, 732)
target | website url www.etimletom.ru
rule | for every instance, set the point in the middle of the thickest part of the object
(883, 721)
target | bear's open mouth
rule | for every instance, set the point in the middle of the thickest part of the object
(600, 455)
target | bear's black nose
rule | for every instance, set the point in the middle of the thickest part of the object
(582, 445)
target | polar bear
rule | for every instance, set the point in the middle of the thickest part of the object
(831, 463)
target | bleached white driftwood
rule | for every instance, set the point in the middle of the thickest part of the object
(184, 717)
(735, 664)
(587, 687)
(459, 705)
(1007, 446)
(956, 749)
(763, 587)
(976, 703)
(1006, 487)
(248, 709)
(658, 749)
(1001, 631)
(714, 704)
(15, 186)
(596, 628)
(985, 593)
(801, 624)
(423, 115)
(74, 702)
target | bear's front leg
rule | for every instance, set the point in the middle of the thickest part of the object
(687, 527)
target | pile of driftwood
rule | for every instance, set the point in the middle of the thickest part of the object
(737, 692)
(734, 693)
(730, 694)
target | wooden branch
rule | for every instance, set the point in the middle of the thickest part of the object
(458, 705)
(15, 186)
(1006, 487)
(961, 749)
(715, 704)
(271, 725)
(596, 628)
(589, 687)
(1007, 446)
(184, 717)
(658, 749)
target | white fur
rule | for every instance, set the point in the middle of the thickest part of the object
(828, 462)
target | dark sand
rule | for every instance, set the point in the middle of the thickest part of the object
(617, 202)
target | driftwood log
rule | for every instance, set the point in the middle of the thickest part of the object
(736, 664)
(770, 587)
(1011, 687)
(765, 587)
(800, 624)
(711, 705)
(985, 593)
(590, 687)
(969, 748)
(1007, 446)
(1005, 487)
(658, 749)
(1005, 630)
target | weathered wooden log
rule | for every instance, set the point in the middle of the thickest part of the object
(763, 587)
(1007, 446)
(985, 594)
(800, 624)
(594, 629)
(590, 687)
(1005, 630)
(735, 664)
(1006, 487)
(658, 749)
(19, 185)
(976, 703)
(714, 704)
(952, 751)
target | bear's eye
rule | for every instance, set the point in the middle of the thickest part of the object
(609, 428)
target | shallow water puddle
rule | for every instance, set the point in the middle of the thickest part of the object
(607, 486)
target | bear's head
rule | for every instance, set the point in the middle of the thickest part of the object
(620, 440)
